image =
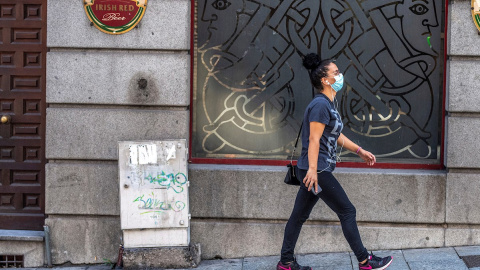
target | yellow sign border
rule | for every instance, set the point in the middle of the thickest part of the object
(476, 13)
(142, 4)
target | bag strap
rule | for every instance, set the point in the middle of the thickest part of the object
(296, 143)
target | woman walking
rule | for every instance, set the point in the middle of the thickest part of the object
(321, 131)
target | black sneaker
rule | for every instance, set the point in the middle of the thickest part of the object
(292, 266)
(374, 262)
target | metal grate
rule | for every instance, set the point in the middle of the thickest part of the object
(472, 261)
(11, 261)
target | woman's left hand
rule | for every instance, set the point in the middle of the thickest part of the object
(368, 157)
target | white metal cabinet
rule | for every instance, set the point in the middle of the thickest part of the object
(154, 208)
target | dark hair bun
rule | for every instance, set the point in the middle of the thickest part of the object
(311, 61)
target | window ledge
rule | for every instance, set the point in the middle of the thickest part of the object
(21, 235)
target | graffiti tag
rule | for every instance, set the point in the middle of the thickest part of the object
(170, 181)
(149, 202)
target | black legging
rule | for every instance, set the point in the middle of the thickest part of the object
(335, 197)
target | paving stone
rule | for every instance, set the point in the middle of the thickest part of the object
(60, 267)
(325, 259)
(233, 264)
(468, 250)
(260, 263)
(398, 263)
(66, 268)
(334, 267)
(430, 254)
(99, 267)
(409, 259)
(471, 261)
(438, 265)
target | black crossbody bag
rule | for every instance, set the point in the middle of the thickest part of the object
(291, 177)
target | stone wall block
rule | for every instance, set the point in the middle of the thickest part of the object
(81, 240)
(82, 189)
(462, 142)
(247, 239)
(165, 25)
(463, 86)
(462, 198)
(87, 133)
(462, 34)
(252, 192)
(462, 236)
(120, 78)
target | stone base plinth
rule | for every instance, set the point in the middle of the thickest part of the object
(162, 257)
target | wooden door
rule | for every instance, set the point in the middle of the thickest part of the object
(22, 111)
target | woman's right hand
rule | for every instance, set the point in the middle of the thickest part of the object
(311, 180)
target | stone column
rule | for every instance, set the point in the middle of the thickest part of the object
(463, 127)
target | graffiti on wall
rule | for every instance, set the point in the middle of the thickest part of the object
(153, 181)
(152, 203)
(156, 190)
(159, 202)
(251, 89)
(169, 181)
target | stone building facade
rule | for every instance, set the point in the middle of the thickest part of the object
(94, 100)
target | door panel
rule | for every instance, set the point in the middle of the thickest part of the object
(22, 103)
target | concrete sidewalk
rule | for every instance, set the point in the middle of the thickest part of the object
(451, 258)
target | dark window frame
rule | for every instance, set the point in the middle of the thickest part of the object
(271, 162)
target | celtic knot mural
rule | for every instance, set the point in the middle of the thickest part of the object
(250, 89)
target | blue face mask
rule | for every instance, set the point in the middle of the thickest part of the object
(338, 85)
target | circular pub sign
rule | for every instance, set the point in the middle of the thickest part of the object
(115, 16)
(476, 13)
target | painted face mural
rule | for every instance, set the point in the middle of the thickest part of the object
(218, 14)
(250, 88)
(423, 16)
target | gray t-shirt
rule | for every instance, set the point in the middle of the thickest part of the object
(321, 110)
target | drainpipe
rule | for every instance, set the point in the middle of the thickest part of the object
(47, 246)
